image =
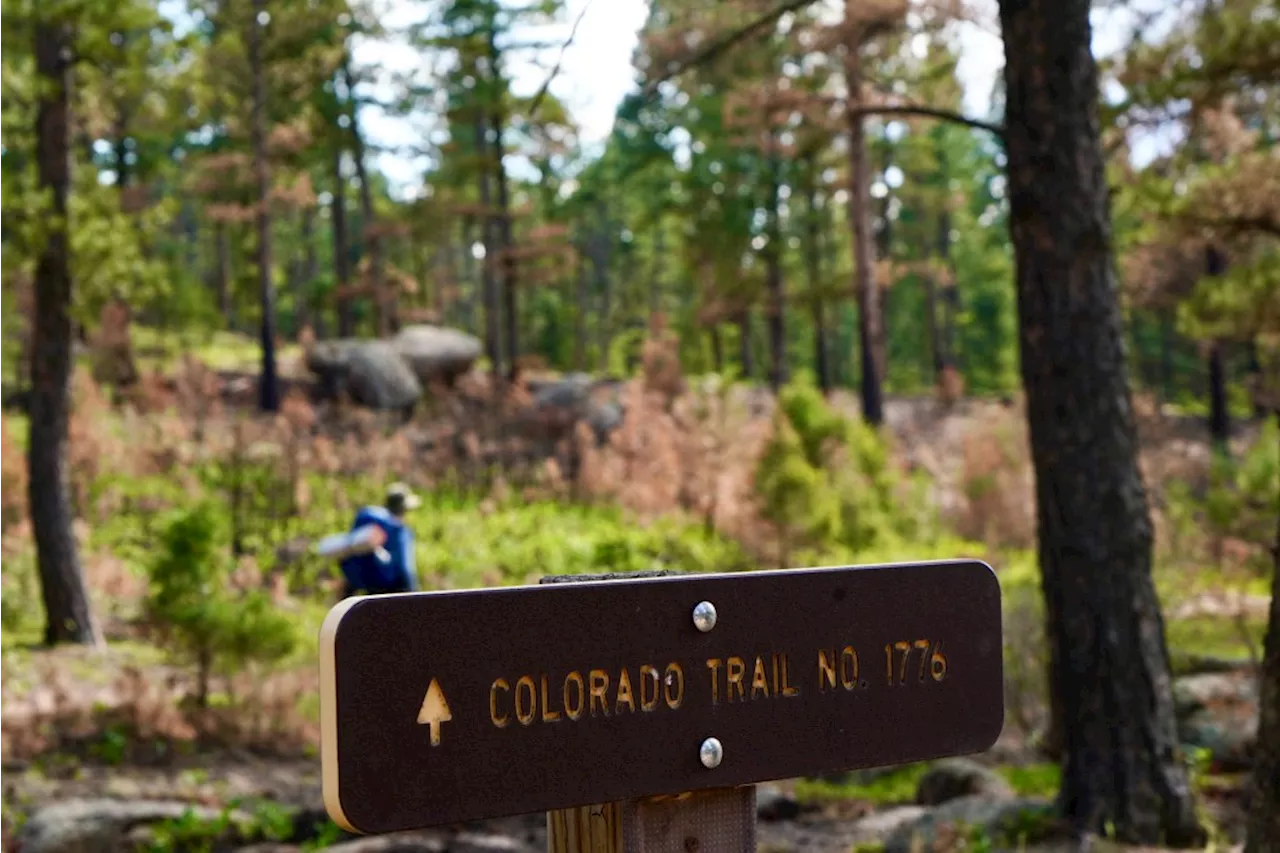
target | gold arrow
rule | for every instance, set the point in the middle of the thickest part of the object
(434, 711)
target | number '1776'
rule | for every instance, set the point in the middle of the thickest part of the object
(907, 658)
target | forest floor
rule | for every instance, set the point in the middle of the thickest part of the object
(81, 726)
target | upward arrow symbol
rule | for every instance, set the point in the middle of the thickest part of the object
(434, 711)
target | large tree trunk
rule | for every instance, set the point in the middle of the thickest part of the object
(385, 303)
(746, 356)
(775, 311)
(864, 286)
(1122, 769)
(1263, 831)
(341, 260)
(268, 387)
(66, 602)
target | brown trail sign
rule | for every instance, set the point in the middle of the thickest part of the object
(442, 707)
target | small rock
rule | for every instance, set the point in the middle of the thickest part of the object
(402, 842)
(99, 826)
(954, 778)
(772, 803)
(1219, 712)
(476, 842)
(1005, 822)
(880, 825)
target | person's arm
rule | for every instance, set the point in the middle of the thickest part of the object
(408, 562)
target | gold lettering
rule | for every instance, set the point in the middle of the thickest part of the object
(599, 680)
(734, 670)
(677, 682)
(775, 674)
(787, 689)
(548, 715)
(826, 670)
(525, 713)
(573, 709)
(713, 664)
(759, 681)
(624, 692)
(500, 684)
(649, 675)
(848, 668)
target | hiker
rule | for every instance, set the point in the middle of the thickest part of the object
(387, 566)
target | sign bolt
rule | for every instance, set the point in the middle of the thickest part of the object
(711, 753)
(704, 616)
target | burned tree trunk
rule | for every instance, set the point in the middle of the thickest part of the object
(341, 260)
(1263, 831)
(62, 587)
(775, 315)
(1121, 767)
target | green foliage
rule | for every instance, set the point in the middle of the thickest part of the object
(894, 785)
(1033, 780)
(196, 609)
(827, 482)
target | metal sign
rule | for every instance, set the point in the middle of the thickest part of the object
(442, 707)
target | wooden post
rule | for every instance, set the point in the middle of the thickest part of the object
(719, 820)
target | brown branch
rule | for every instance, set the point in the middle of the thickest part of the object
(722, 45)
(930, 112)
(555, 70)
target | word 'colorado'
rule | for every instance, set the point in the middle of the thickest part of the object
(604, 693)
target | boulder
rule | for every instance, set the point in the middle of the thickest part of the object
(1007, 823)
(377, 377)
(436, 352)
(959, 777)
(772, 803)
(101, 825)
(1218, 712)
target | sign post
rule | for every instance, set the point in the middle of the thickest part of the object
(639, 712)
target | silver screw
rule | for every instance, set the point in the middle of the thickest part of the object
(704, 616)
(711, 753)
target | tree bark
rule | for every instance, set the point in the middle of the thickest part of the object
(488, 237)
(746, 356)
(1219, 416)
(1263, 828)
(1122, 770)
(717, 348)
(306, 271)
(864, 286)
(66, 601)
(222, 249)
(341, 260)
(510, 305)
(385, 303)
(268, 385)
(775, 314)
(813, 265)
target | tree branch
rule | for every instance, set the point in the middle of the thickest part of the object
(930, 112)
(722, 45)
(555, 70)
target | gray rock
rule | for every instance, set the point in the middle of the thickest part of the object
(772, 803)
(398, 842)
(1007, 823)
(379, 378)
(1219, 712)
(436, 352)
(100, 825)
(951, 779)
(880, 825)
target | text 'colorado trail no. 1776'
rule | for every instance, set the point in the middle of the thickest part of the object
(442, 707)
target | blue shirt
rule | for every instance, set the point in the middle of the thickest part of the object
(372, 574)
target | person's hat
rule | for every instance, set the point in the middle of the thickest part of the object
(400, 498)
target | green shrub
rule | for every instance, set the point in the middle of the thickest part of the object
(827, 482)
(194, 606)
